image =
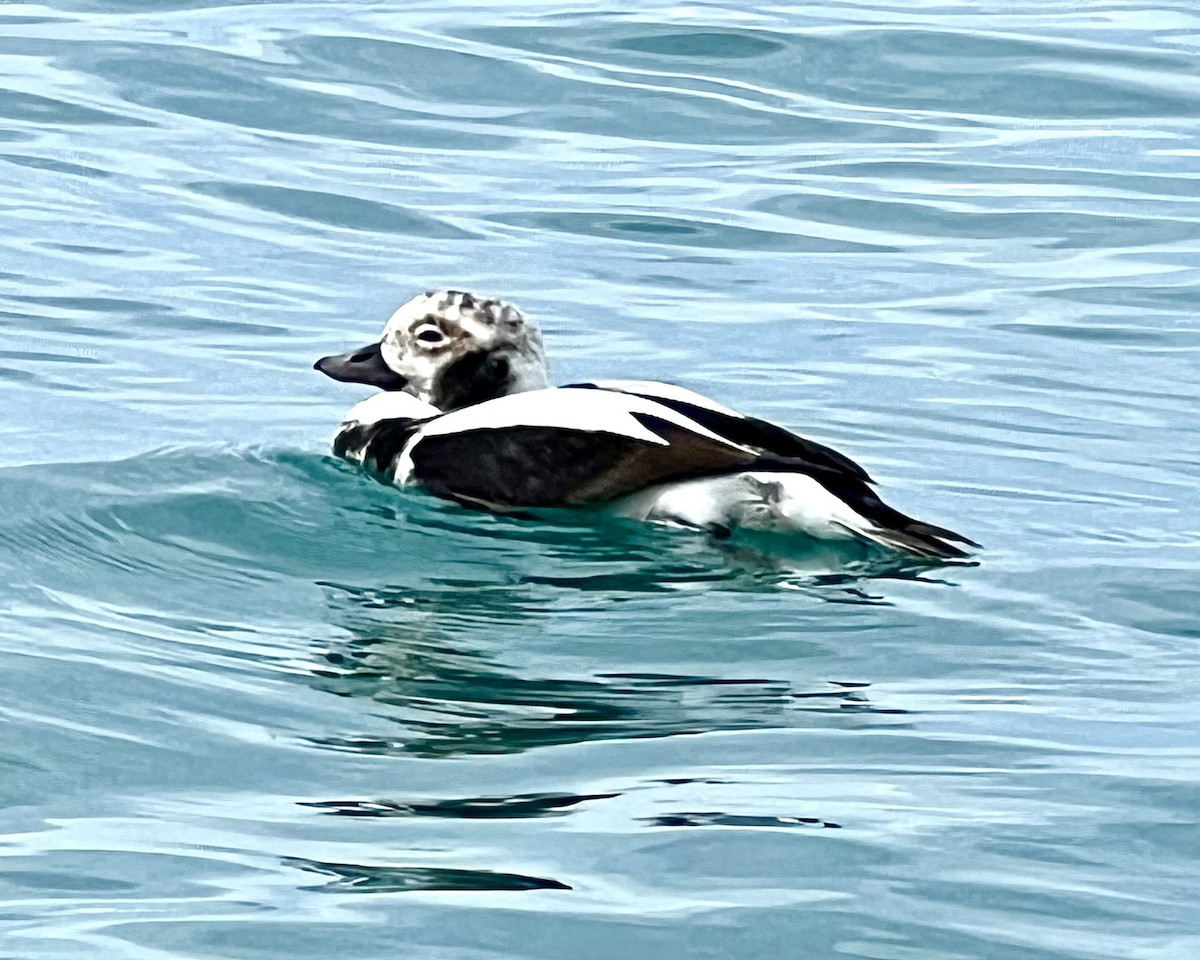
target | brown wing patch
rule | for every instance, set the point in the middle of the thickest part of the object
(549, 466)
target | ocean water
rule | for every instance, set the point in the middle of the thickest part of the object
(255, 705)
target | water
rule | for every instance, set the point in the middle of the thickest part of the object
(258, 706)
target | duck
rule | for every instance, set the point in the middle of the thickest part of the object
(466, 410)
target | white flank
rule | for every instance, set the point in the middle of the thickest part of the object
(667, 391)
(807, 506)
(596, 411)
(696, 503)
(780, 502)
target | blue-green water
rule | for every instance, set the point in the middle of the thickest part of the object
(257, 706)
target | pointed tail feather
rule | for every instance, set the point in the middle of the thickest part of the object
(922, 529)
(920, 540)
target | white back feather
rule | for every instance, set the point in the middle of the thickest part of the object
(598, 411)
(667, 391)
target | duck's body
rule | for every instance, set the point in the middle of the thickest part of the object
(639, 449)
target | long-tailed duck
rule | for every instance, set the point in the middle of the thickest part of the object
(467, 412)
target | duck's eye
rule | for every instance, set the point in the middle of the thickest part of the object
(428, 333)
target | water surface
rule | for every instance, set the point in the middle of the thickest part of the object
(257, 705)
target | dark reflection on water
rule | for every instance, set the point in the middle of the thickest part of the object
(447, 711)
(360, 878)
(522, 806)
(717, 819)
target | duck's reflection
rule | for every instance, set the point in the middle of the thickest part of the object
(429, 656)
(419, 652)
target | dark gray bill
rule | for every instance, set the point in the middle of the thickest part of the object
(364, 365)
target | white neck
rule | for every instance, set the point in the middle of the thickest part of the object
(528, 376)
(390, 405)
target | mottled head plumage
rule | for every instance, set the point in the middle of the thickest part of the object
(454, 348)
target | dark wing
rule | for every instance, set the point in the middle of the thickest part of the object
(534, 466)
(762, 435)
(537, 466)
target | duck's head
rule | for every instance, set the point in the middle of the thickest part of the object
(450, 349)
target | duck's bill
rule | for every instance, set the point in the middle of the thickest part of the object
(364, 365)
